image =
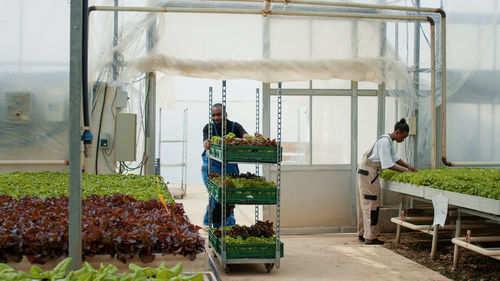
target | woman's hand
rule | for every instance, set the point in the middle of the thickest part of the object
(412, 169)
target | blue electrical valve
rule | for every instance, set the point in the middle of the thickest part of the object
(87, 137)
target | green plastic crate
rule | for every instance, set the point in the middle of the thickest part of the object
(239, 195)
(246, 251)
(246, 153)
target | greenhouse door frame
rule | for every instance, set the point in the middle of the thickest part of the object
(335, 191)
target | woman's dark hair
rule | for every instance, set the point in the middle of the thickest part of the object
(402, 126)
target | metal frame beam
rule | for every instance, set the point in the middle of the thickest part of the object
(75, 103)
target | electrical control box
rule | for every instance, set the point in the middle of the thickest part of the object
(18, 107)
(125, 145)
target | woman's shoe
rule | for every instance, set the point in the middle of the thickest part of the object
(373, 242)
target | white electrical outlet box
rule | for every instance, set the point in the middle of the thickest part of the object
(125, 145)
(412, 122)
(18, 107)
(104, 140)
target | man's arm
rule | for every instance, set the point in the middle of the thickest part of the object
(239, 131)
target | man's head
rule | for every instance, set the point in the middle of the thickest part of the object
(401, 130)
(217, 113)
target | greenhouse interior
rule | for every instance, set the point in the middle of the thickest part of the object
(249, 140)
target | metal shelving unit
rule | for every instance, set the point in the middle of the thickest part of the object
(222, 256)
(183, 163)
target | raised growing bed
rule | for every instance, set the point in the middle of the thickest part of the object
(55, 184)
(116, 227)
(475, 189)
(477, 182)
(405, 188)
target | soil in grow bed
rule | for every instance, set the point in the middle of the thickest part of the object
(417, 247)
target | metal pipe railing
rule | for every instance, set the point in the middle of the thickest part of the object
(483, 251)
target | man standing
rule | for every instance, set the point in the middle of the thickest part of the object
(231, 127)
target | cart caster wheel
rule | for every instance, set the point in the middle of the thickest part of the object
(269, 267)
(227, 269)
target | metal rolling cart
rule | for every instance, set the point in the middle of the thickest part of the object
(268, 254)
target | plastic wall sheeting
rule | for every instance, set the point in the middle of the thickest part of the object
(473, 95)
(266, 49)
(34, 58)
(34, 81)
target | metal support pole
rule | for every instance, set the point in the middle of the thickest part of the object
(257, 130)
(354, 148)
(278, 179)
(150, 136)
(75, 100)
(435, 237)
(398, 227)
(223, 177)
(456, 253)
(184, 151)
(381, 87)
(209, 168)
(158, 152)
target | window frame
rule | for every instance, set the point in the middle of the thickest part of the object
(353, 92)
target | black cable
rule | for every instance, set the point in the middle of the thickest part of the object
(100, 124)
(85, 34)
(107, 164)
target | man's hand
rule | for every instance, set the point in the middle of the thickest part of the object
(206, 144)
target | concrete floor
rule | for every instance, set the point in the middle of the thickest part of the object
(314, 257)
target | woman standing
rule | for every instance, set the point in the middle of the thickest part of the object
(381, 156)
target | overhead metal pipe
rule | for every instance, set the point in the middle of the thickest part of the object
(260, 12)
(433, 100)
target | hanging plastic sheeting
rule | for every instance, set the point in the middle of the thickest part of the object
(376, 70)
(267, 49)
(35, 57)
(247, 46)
(34, 85)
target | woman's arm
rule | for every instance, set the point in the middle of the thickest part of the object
(404, 164)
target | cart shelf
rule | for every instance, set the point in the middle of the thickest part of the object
(246, 153)
(239, 195)
(245, 251)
